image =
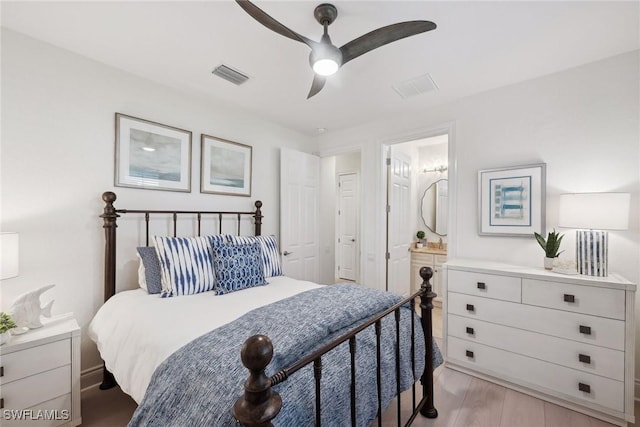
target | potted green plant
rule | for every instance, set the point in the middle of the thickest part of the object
(551, 247)
(421, 238)
(6, 324)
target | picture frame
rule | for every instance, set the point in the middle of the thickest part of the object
(226, 167)
(151, 156)
(511, 201)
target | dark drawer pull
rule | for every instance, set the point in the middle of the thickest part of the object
(1, 403)
(470, 331)
(584, 358)
(1, 371)
(481, 285)
(469, 353)
(569, 298)
(585, 330)
(470, 307)
(584, 387)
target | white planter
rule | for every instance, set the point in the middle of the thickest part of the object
(548, 263)
(4, 337)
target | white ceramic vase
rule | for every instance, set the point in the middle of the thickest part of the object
(548, 263)
(4, 337)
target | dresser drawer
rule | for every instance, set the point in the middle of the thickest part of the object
(577, 298)
(544, 376)
(20, 364)
(439, 260)
(60, 413)
(37, 388)
(594, 330)
(583, 357)
(487, 285)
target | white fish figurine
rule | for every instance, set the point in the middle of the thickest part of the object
(26, 310)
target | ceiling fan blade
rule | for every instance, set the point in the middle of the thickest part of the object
(317, 85)
(383, 36)
(266, 20)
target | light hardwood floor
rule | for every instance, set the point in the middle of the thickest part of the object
(461, 401)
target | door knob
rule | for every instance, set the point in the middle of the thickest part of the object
(285, 253)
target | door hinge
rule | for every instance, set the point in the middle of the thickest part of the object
(338, 211)
(338, 268)
(388, 208)
(338, 240)
(388, 161)
(388, 255)
(339, 184)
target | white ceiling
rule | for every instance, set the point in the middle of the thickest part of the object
(477, 46)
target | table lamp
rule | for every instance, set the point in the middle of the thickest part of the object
(592, 214)
(9, 260)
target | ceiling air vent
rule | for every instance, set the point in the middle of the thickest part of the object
(230, 75)
(415, 86)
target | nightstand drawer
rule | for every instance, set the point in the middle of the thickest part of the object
(572, 354)
(577, 298)
(20, 364)
(36, 389)
(505, 288)
(59, 413)
(579, 386)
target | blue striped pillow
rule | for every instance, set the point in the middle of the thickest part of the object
(237, 267)
(186, 264)
(270, 253)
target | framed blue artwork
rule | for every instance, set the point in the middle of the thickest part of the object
(511, 201)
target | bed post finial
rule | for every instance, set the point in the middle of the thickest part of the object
(258, 219)
(259, 404)
(426, 306)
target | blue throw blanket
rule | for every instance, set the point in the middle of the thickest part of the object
(198, 384)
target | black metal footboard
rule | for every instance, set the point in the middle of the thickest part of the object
(260, 404)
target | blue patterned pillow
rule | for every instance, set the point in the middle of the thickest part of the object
(237, 266)
(152, 274)
(270, 253)
(186, 265)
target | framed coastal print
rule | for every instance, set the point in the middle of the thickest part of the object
(511, 201)
(226, 167)
(151, 155)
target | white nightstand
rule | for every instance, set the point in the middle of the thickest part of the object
(40, 375)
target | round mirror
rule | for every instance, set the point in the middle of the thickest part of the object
(434, 207)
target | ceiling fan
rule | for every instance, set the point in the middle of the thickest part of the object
(325, 58)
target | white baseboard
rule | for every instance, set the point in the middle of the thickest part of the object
(90, 378)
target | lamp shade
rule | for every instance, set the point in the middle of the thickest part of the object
(9, 244)
(596, 211)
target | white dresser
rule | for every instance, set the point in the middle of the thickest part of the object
(568, 339)
(40, 376)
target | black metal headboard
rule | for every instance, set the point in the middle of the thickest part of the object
(111, 214)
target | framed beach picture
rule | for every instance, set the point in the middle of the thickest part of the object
(511, 201)
(226, 167)
(151, 155)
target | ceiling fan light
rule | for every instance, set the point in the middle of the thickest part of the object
(325, 67)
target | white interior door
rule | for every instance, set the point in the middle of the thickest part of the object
(399, 233)
(348, 243)
(299, 195)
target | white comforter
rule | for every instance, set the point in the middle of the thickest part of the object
(135, 331)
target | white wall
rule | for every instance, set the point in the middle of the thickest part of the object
(57, 158)
(583, 122)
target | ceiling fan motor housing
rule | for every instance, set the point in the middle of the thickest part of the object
(325, 13)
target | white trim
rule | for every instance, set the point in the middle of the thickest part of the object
(636, 390)
(90, 378)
